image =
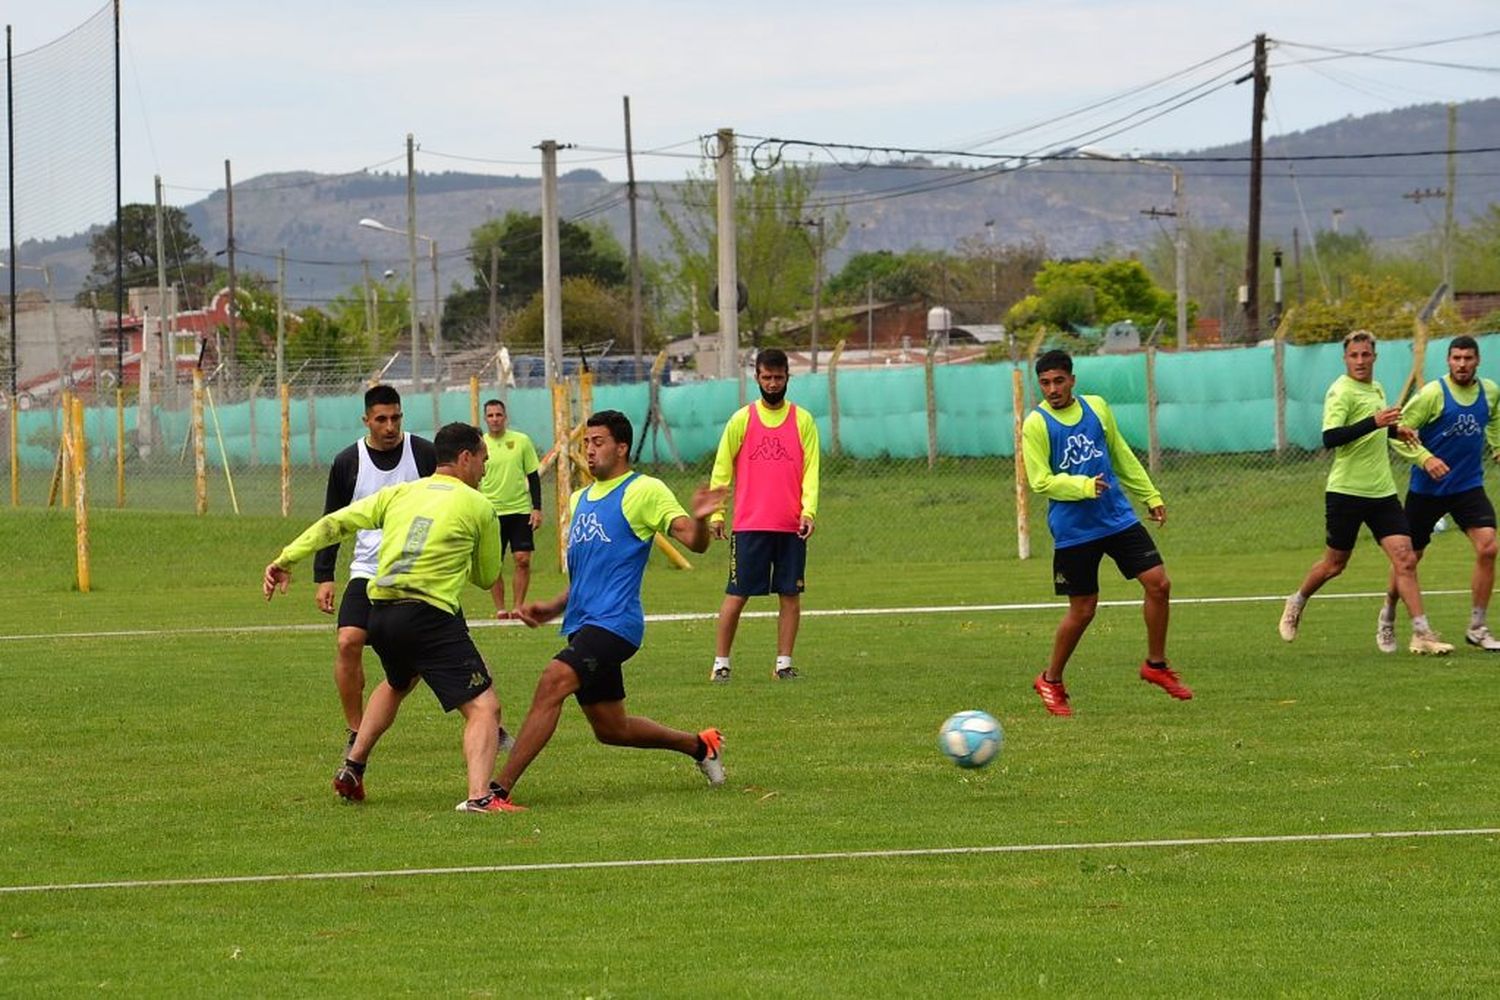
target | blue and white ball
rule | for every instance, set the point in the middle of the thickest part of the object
(971, 739)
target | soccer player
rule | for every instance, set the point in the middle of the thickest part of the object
(610, 535)
(769, 449)
(1358, 426)
(514, 487)
(1076, 458)
(383, 457)
(437, 533)
(1455, 422)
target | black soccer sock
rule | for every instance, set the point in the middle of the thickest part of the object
(1157, 666)
(356, 766)
(702, 751)
(498, 790)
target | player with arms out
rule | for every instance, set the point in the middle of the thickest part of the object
(437, 534)
(1076, 457)
(1454, 418)
(610, 536)
(383, 457)
(513, 486)
(770, 451)
(1360, 427)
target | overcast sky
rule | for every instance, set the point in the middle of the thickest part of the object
(335, 85)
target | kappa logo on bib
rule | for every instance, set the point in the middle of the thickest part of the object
(1079, 449)
(586, 528)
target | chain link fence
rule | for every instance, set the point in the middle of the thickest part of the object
(918, 459)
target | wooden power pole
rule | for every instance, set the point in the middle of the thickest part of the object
(1252, 250)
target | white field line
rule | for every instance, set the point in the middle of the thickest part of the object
(703, 616)
(743, 859)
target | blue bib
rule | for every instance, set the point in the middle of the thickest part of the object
(1457, 437)
(605, 564)
(1080, 450)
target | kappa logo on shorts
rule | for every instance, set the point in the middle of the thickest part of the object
(476, 679)
(1060, 579)
(770, 450)
(1078, 449)
(586, 528)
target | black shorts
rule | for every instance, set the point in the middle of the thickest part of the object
(1075, 569)
(416, 640)
(596, 655)
(766, 562)
(354, 608)
(1470, 509)
(515, 533)
(1344, 514)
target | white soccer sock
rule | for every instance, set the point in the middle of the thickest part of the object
(1297, 599)
(1419, 624)
(783, 662)
(720, 661)
(1476, 617)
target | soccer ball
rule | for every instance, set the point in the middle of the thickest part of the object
(971, 739)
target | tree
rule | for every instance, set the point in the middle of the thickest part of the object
(776, 255)
(352, 310)
(1093, 293)
(187, 263)
(516, 239)
(591, 313)
(1384, 306)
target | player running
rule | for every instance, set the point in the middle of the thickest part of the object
(1076, 458)
(1455, 421)
(1358, 426)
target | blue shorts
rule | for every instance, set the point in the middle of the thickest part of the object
(766, 562)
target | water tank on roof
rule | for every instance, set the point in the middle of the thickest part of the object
(939, 320)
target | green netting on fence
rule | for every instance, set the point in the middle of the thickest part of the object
(1209, 402)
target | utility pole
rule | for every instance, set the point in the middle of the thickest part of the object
(551, 267)
(729, 288)
(816, 223)
(234, 287)
(635, 247)
(369, 303)
(437, 328)
(281, 319)
(411, 260)
(1448, 201)
(1252, 251)
(494, 286)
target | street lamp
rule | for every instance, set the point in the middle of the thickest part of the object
(1179, 212)
(437, 302)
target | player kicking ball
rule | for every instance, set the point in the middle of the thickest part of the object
(1076, 458)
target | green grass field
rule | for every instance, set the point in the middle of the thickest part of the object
(191, 753)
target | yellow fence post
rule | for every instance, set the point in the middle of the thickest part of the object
(286, 449)
(562, 425)
(1023, 495)
(474, 400)
(200, 461)
(77, 444)
(119, 447)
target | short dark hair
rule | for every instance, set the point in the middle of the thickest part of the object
(1463, 342)
(1053, 361)
(494, 402)
(773, 358)
(381, 395)
(452, 439)
(617, 423)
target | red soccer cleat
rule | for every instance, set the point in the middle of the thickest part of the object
(1166, 678)
(349, 784)
(1054, 695)
(491, 803)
